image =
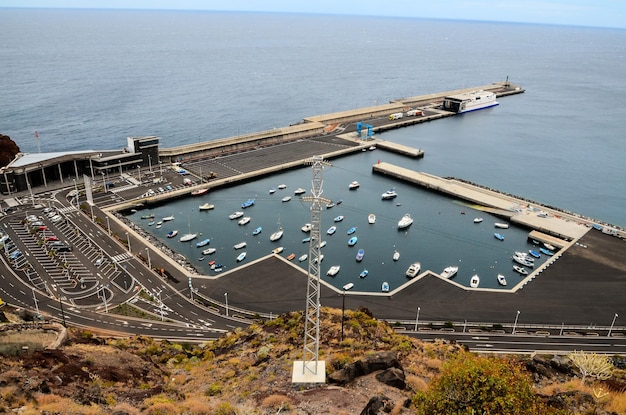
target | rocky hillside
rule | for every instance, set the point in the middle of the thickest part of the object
(374, 370)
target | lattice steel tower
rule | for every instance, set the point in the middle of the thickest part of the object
(310, 369)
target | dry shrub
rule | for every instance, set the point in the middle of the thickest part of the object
(617, 403)
(276, 402)
(125, 408)
(196, 406)
(569, 386)
(162, 408)
(432, 364)
(416, 383)
(47, 399)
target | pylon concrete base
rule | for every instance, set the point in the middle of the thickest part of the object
(310, 373)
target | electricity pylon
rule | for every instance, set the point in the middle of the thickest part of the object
(310, 369)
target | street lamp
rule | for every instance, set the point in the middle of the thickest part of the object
(343, 309)
(76, 192)
(128, 241)
(36, 305)
(149, 263)
(160, 304)
(515, 324)
(104, 298)
(226, 297)
(417, 317)
(612, 323)
(190, 289)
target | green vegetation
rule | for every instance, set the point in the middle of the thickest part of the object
(470, 384)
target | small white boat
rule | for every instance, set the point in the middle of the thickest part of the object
(151, 223)
(449, 272)
(276, 235)
(371, 218)
(322, 244)
(385, 287)
(330, 205)
(474, 281)
(519, 269)
(306, 228)
(303, 257)
(548, 246)
(405, 222)
(188, 237)
(354, 185)
(244, 221)
(364, 273)
(478, 220)
(158, 226)
(199, 192)
(257, 230)
(331, 230)
(168, 218)
(209, 251)
(525, 261)
(240, 245)
(206, 206)
(235, 215)
(282, 186)
(396, 255)
(286, 199)
(241, 256)
(501, 225)
(277, 250)
(413, 270)
(333, 270)
(321, 258)
(338, 218)
(272, 190)
(501, 279)
(389, 194)
(172, 234)
(299, 191)
(348, 286)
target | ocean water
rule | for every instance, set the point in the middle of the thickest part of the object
(87, 79)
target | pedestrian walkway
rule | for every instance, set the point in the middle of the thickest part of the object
(122, 188)
(121, 257)
(68, 209)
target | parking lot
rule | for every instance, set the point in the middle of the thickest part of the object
(45, 243)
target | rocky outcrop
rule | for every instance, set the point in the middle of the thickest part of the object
(372, 363)
(8, 150)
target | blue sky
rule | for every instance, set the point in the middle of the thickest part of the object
(599, 13)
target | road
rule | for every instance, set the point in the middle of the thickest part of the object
(525, 343)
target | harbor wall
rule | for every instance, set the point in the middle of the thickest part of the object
(322, 124)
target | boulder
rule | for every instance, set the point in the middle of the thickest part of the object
(377, 404)
(393, 377)
(372, 363)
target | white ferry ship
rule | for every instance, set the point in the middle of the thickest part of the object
(469, 101)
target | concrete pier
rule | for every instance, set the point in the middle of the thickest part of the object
(517, 210)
